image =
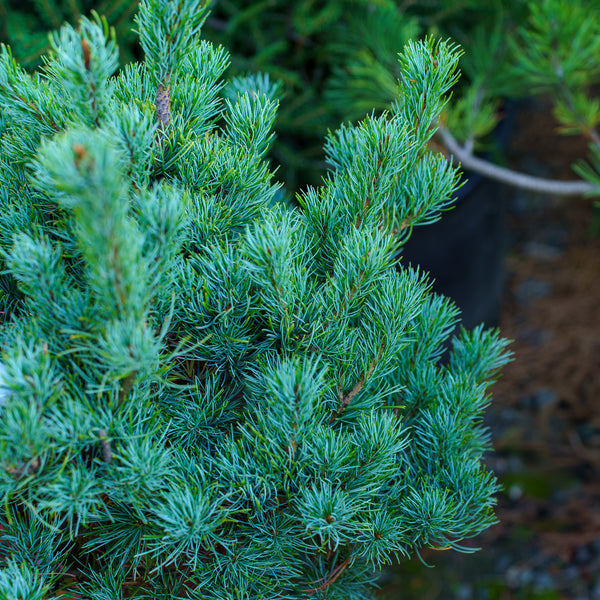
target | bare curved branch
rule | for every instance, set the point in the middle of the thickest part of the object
(521, 180)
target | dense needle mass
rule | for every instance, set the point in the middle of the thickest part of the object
(212, 394)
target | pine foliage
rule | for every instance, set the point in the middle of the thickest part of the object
(25, 24)
(304, 45)
(337, 60)
(206, 393)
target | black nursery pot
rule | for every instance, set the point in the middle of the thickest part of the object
(464, 251)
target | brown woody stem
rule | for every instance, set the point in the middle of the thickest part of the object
(163, 105)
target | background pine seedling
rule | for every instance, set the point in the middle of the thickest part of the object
(210, 394)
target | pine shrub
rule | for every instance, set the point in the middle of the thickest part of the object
(206, 393)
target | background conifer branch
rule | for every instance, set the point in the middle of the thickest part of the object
(521, 180)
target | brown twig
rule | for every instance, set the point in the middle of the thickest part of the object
(126, 385)
(85, 48)
(331, 579)
(163, 105)
(358, 386)
(105, 443)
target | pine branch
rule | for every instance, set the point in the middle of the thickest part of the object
(33, 109)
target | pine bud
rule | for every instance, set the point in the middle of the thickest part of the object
(85, 47)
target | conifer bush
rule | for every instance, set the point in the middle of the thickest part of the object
(207, 394)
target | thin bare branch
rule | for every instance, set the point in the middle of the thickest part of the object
(520, 180)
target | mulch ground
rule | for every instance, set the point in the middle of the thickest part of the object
(547, 409)
(546, 415)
